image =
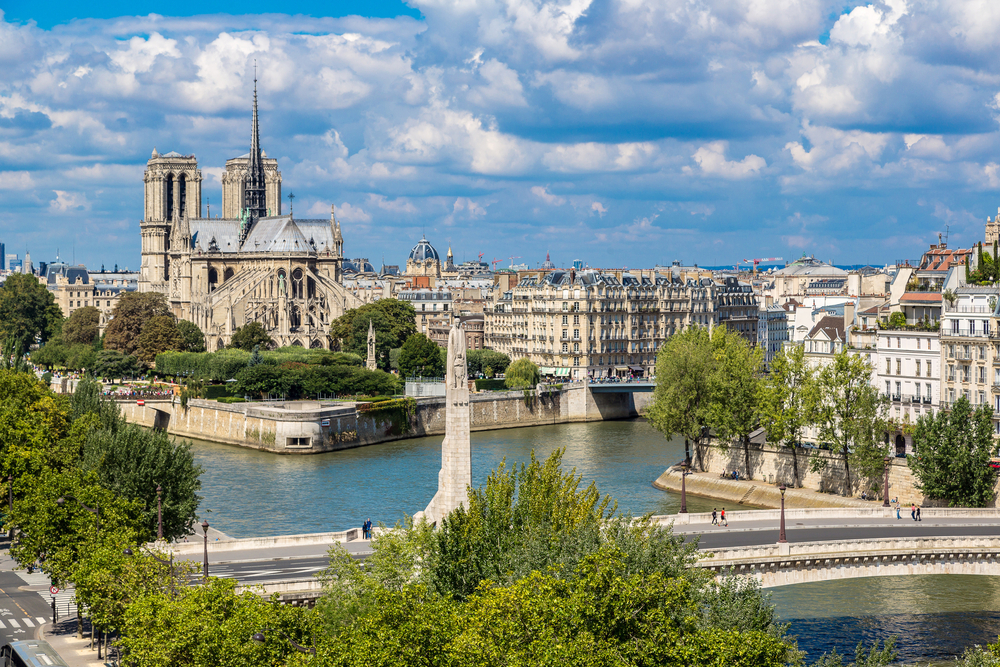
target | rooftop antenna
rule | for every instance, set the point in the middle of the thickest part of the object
(947, 228)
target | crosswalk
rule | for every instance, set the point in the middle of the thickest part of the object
(13, 623)
(65, 599)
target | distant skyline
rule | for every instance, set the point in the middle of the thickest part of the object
(614, 132)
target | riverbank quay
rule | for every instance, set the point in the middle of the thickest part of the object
(770, 466)
(751, 492)
(310, 427)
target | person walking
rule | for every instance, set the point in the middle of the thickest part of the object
(364, 530)
(723, 521)
(715, 516)
(897, 512)
(913, 511)
(918, 513)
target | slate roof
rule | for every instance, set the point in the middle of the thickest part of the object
(279, 233)
(833, 327)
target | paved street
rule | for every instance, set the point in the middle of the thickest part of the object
(21, 611)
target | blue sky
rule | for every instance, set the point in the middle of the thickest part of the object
(620, 132)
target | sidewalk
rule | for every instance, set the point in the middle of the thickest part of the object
(62, 637)
(752, 492)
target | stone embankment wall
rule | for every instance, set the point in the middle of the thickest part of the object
(305, 427)
(772, 466)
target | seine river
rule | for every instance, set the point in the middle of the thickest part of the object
(248, 493)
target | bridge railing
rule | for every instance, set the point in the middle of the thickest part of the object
(735, 517)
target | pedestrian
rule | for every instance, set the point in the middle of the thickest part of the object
(723, 521)
(913, 511)
(369, 528)
(897, 512)
(715, 516)
(364, 530)
(918, 513)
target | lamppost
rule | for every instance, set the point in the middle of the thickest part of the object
(159, 513)
(684, 500)
(204, 569)
(781, 529)
(260, 639)
(10, 503)
(885, 484)
(95, 510)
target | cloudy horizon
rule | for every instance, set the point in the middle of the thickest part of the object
(618, 132)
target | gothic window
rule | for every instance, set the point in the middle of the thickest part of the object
(227, 275)
(213, 280)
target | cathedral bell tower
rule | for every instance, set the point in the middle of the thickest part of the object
(172, 191)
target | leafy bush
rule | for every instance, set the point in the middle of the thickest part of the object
(490, 385)
(231, 399)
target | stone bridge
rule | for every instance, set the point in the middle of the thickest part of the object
(785, 564)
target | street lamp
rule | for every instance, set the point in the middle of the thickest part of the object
(204, 527)
(260, 639)
(95, 510)
(885, 485)
(159, 513)
(781, 529)
(684, 501)
(10, 503)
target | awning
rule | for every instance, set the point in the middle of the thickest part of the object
(621, 369)
(638, 368)
(562, 372)
(546, 370)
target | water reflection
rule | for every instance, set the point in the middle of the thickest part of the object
(935, 616)
(257, 493)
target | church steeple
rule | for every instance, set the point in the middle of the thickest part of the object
(254, 195)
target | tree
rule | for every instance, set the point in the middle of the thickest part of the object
(951, 455)
(733, 411)
(82, 326)
(114, 364)
(788, 399)
(28, 312)
(851, 416)
(259, 380)
(420, 356)
(682, 398)
(394, 322)
(194, 339)
(897, 320)
(481, 360)
(159, 334)
(522, 374)
(249, 336)
(130, 315)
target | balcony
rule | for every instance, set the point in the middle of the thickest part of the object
(896, 398)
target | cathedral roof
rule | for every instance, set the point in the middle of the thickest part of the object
(273, 234)
(423, 250)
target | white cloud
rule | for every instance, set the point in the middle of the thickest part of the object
(15, 180)
(712, 160)
(543, 193)
(348, 213)
(69, 201)
(598, 208)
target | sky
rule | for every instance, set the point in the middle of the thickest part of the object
(619, 132)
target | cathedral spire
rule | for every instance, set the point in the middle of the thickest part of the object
(254, 194)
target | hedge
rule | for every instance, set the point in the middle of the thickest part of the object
(231, 399)
(225, 364)
(490, 385)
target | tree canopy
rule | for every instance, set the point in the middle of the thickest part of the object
(82, 326)
(522, 374)
(788, 400)
(130, 315)
(159, 334)
(194, 339)
(951, 455)
(28, 312)
(248, 336)
(394, 322)
(420, 356)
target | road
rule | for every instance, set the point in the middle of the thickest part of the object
(21, 611)
(251, 567)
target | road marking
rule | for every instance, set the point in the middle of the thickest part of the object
(13, 623)
(28, 622)
(2, 625)
(41, 621)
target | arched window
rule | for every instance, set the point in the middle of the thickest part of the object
(213, 279)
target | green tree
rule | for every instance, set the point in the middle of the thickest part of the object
(522, 374)
(851, 416)
(897, 320)
(249, 336)
(481, 360)
(51, 354)
(130, 315)
(28, 313)
(682, 401)
(159, 334)
(734, 389)
(114, 364)
(194, 339)
(951, 455)
(259, 380)
(394, 322)
(420, 356)
(788, 400)
(82, 326)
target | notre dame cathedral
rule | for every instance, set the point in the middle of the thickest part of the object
(252, 264)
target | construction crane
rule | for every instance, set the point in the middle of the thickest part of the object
(755, 262)
(495, 262)
(481, 257)
(512, 258)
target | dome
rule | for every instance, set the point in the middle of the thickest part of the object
(423, 251)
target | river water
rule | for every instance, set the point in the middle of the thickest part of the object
(247, 492)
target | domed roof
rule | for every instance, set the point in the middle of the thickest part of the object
(808, 266)
(423, 251)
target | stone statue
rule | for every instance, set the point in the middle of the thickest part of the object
(457, 368)
(370, 364)
(281, 283)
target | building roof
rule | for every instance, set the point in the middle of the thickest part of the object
(942, 259)
(808, 266)
(424, 251)
(279, 233)
(830, 326)
(921, 297)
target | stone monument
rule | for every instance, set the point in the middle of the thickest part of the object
(370, 362)
(456, 451)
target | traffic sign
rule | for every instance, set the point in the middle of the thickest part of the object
(53, 590)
